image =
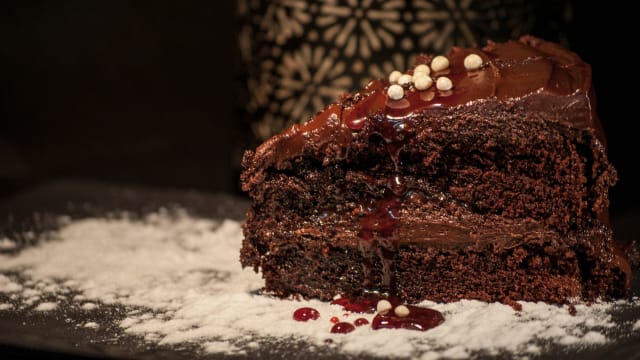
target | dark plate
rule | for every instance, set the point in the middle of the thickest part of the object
(54, 335)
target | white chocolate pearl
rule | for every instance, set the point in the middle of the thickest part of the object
(394, 76)
(439, 63)
(422, 82)
(422, 68)
(396, 92)
(472, 61)
(444, 83)
(383, 306)
(405, 80)
(401, 311)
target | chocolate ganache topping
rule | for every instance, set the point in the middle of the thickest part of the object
(535, 73)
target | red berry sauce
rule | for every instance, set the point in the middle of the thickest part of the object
(361, 322)
(342, 328)
(419, 318)
(361, 305)
(305, 314)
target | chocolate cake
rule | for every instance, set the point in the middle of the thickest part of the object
(479, 175)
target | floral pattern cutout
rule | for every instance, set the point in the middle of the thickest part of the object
(300, 55)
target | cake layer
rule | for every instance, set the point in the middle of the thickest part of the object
(542, 77)
(515, 165)
(323, 255)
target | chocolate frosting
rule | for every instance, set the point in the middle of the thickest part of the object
(540, 75)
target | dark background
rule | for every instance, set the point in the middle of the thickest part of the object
(146, 92)
(126, 91)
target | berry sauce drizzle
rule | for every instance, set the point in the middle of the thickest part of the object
(419, 318)
(381, 214)
(305, 314)
(377, 238)
(362, 304)
(342, 328)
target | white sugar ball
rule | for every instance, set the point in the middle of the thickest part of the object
(394, 76)
(423, 82)
(383, 306)
(472, 62)
(439, 63)
(405, 80)
(401, 311)
(396, 92)
(422, 68)
(444, 83)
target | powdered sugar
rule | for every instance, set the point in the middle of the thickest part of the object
(7, 244)
(46, 306)
(7, 285)
(91, 325)
(183, 276)
(223, 347)
(89, 306)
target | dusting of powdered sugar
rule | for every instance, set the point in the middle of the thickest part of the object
(8, 286)
(182, 278)
(7, 244)
(46, 306)
(91, 325)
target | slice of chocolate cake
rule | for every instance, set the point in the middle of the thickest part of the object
(480, 175)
